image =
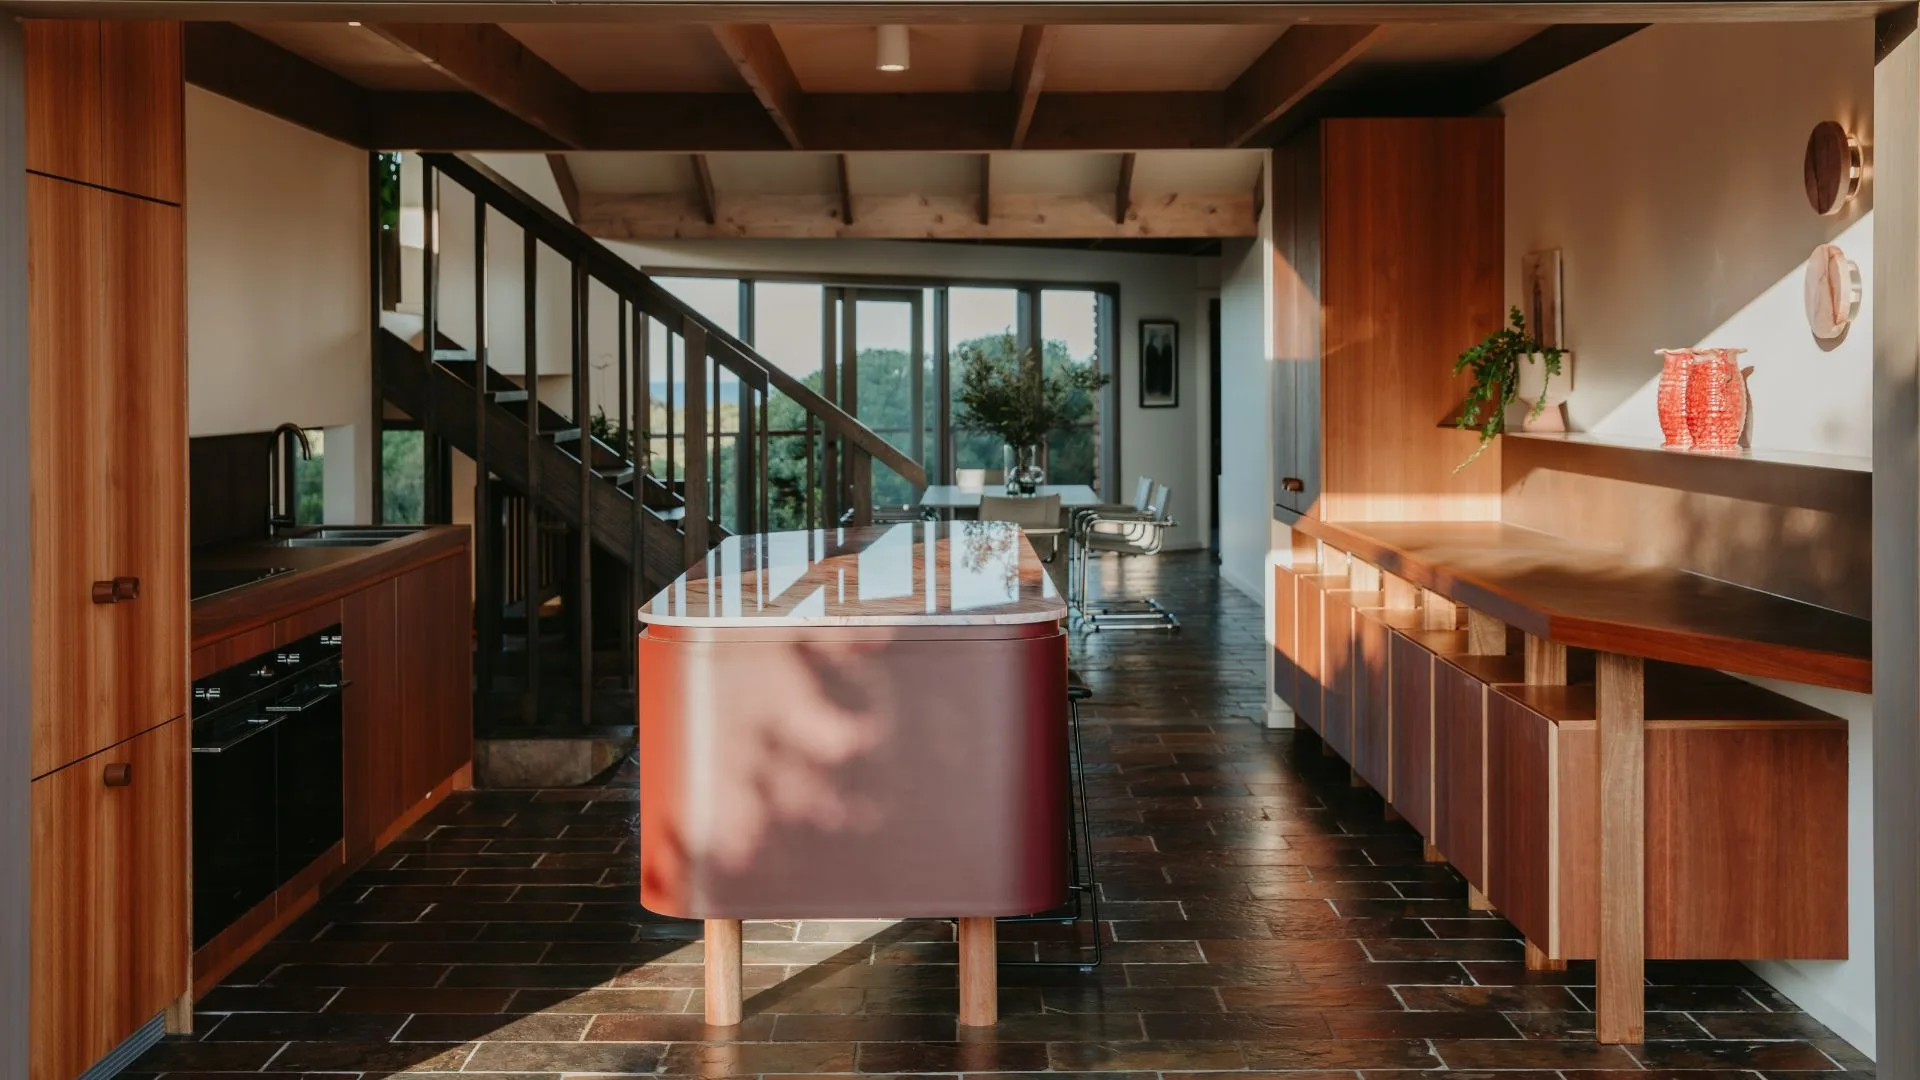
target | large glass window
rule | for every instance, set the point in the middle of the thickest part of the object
(979, 319)
(403, 476)
(1070, 324)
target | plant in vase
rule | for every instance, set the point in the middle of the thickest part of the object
(1496, 363)
(1009, 393)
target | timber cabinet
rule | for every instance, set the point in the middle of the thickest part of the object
(1388, 249)
(106, 373)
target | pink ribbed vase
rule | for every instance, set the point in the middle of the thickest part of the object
(1672, 402)
(1716, 399)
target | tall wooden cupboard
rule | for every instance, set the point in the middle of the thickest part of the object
(107, 389)
(1388, 243)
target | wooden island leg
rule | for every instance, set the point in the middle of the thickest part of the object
(979, 974)
(723, 972)
(1546, 665)
(1621, 975)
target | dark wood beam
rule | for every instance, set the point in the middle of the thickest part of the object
(682, 123)
(563, 179)
(1123, 191)
(1077, 12)
(757, 55)
(1260, 192)
(1029, 74)
(1303, 59)
(846, 190)
(1534, 59)
(703, 186)
(449, 121)
(493, 64)
(226, 60)
(986, 189)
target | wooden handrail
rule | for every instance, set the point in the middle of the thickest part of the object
(635, 286)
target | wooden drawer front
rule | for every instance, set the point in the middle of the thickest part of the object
(109, 893)
(1459, 770)
(1372, 702)
(1285, 671)
(1411, 745)
(436, 680)
(1521, 796)
(1336, 674)
(1747, 842)
(1306, 613)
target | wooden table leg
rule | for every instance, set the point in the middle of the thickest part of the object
(1621, 998)
(1538, 960)
(979, 974)
(723, 972)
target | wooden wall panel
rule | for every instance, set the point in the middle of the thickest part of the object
(1413, 235)
(370, 660)
(142, 109)
(1286, 672)
(1373, 700)
(63, 98)
(1799, 532)
(1336, 673)
(1520, 815)
(1459, 771)
(1306, 613)
(1412, 740)
(1765, 806)
(1577, 849)
(109, 900)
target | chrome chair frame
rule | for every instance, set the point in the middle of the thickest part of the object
(1134, 534)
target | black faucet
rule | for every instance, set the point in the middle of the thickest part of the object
(281, 493)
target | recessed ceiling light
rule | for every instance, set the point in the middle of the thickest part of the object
(891, 51)
(353, 22)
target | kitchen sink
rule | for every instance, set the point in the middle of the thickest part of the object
(346, 536)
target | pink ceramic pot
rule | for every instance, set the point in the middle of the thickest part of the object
(1672, 401)
(1716, 399)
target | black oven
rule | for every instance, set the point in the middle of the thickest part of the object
(267, 776)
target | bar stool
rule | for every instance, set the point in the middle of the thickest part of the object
(1081, 876)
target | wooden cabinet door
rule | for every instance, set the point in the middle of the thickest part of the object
(1459, 771)
(142, 109)
(1411, 743)
(1297, 318)
(1285, 672)
(63, 98)
(1306, 615)
(1372, 701)
(371, 726)
(1520, 818)
(109, 894)
(1336, 674)
(436, 691)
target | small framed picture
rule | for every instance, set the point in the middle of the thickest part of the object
(1159, 364)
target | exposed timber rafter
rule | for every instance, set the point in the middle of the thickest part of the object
(703, 189)
(1029, 75)
(757, 55)
(569, 189)
(1123, 191)
(494, 64)
(986, 189)
(1300, 61)
(846, 189)
(226, 60)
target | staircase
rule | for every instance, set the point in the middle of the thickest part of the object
(575, 527)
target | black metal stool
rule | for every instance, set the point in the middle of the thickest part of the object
(1081, 875)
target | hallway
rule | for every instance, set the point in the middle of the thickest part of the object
(1261, 915)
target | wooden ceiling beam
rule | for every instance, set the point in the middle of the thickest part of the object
(703, 188)
(1077, 12)
(655, 217)
(757, 55)
(493, 64)
(1123, 192)
(569, 190)
(986, 189)
(1029, 75)
(226, 60)
(1300, 61)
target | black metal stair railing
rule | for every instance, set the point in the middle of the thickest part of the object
(583, 506)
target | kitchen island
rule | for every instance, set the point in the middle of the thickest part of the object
(856, 723)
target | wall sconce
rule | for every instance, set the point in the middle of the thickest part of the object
(1833, 292)
(1834, 164)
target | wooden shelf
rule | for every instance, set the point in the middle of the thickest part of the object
(1836, 462)
(1588, 598)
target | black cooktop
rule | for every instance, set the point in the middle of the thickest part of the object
(204, 583)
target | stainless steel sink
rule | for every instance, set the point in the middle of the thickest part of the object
(346, 536)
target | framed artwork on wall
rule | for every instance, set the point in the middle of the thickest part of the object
(1540, 279)
(1159, 364)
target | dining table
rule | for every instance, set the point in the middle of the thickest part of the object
(952, 497)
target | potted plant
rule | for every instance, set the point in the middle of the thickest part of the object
(1010, 393)
(1501, 363)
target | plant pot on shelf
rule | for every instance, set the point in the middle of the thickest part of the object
(1544, 396)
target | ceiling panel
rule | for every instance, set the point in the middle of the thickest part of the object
(1102, 58)
(358, 54)
(633, 57)
(632, 174)
(913, 174)
(774, 173)
(1055, 173)
(944, 59)
(1196, 172)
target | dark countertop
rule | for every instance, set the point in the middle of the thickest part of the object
(321, 574)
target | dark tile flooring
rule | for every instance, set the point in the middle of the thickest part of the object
(1261, 916)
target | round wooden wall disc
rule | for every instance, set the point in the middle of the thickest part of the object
(1832, 167)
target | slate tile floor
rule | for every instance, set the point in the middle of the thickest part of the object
(1261, 917)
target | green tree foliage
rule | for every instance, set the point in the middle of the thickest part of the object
(403, 477)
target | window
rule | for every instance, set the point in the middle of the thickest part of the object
(309, 482)
(1070, 323)
(403, 476)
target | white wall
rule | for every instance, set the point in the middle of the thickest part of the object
(277, 287)
(1246, 403)
(1157, 442)
(1668, 171)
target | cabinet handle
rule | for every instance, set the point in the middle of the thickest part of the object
(1292, 483)
(103, 592)
(118, 775)
(120, 588)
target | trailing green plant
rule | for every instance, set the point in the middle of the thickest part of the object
(1495, 363)
(1014, 396)
(615, 435)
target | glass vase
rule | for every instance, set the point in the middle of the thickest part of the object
(1023, 472)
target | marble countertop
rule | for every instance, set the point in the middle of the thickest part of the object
(961, 573)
